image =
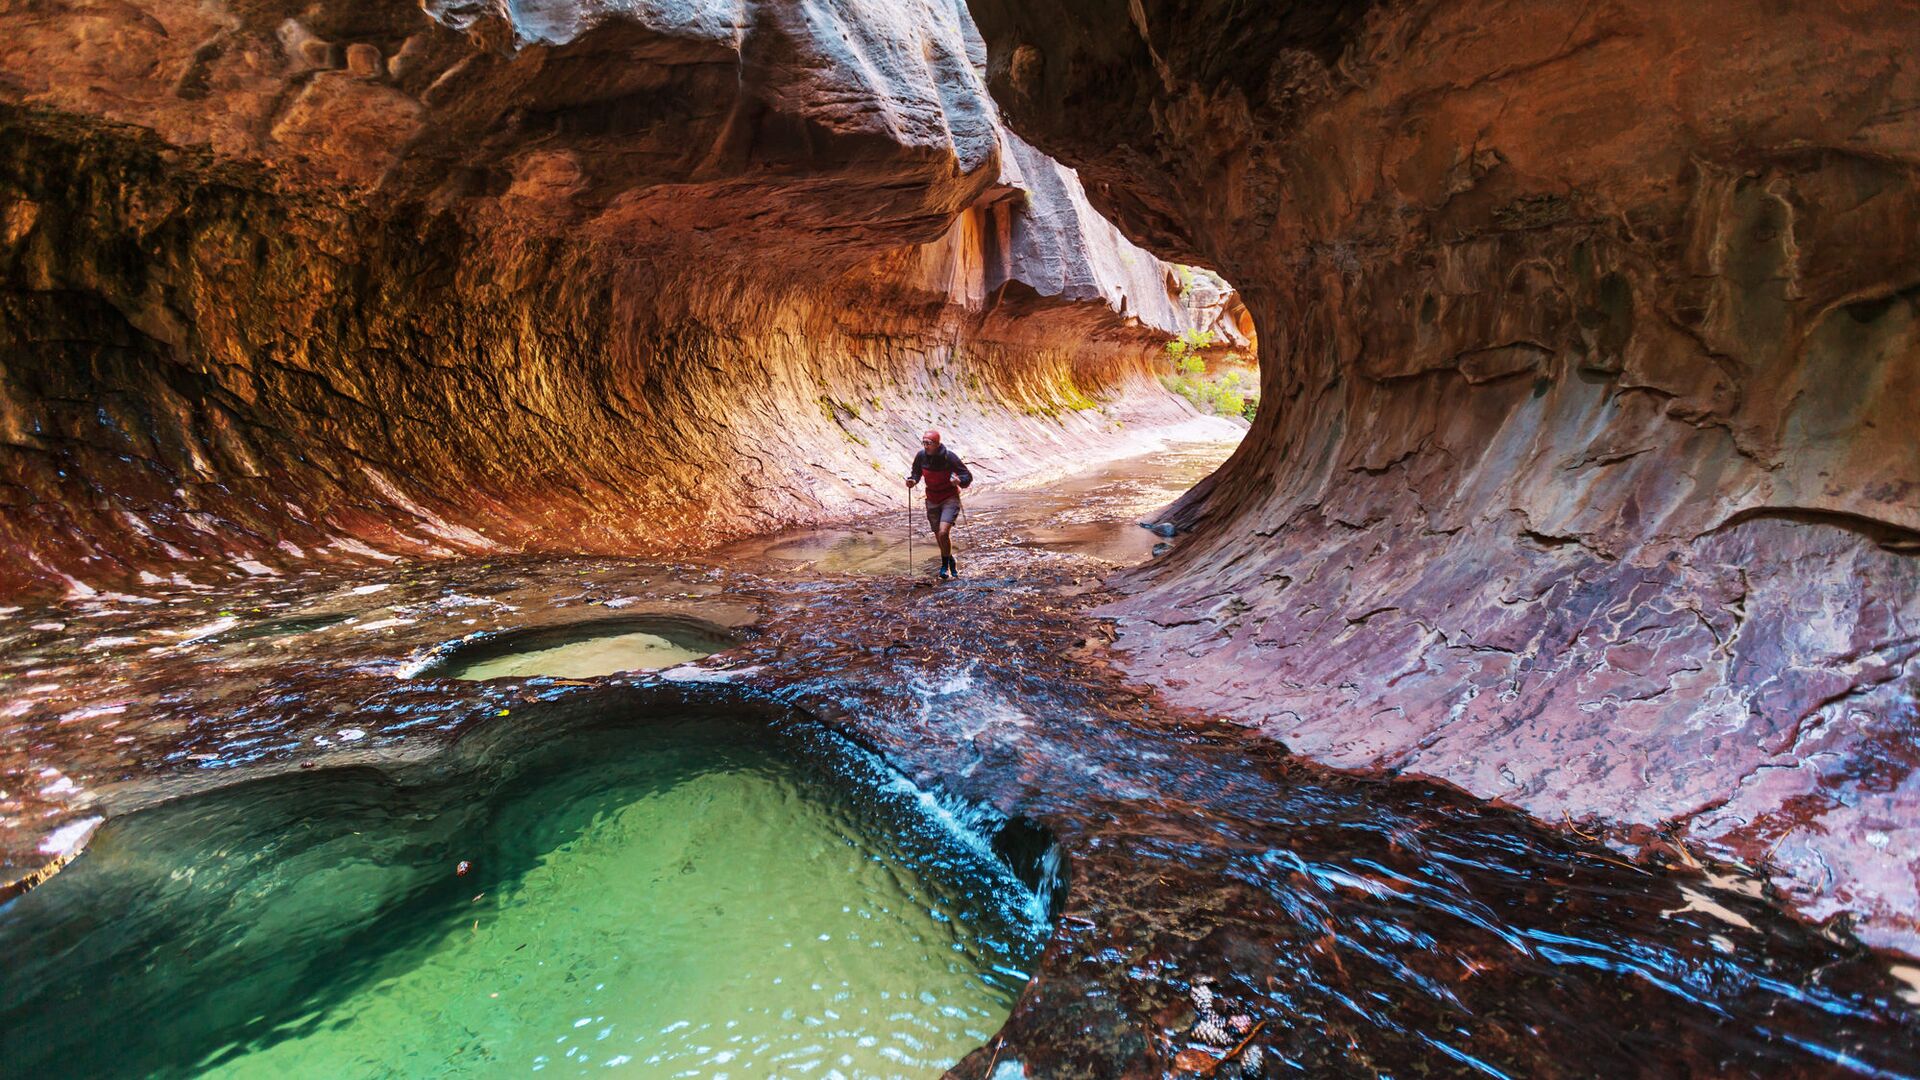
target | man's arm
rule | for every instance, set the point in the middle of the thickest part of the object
(914, 476)
(960, 472)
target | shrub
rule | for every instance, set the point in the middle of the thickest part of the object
(1228, 393)
(1189, 345)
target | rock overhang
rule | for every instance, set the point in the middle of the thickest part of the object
(249, 218)
(1582, 332)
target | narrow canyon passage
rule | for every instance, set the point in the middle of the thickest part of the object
(460, 612)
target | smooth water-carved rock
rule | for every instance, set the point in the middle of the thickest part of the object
(1585, 477)
(377, 282)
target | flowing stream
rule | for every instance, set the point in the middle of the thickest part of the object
(334, 846)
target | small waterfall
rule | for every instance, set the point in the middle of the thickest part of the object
(1052, 885)
(1019, 845)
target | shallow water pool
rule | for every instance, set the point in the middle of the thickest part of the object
(634, 651)
(585, 650)
(683, 895)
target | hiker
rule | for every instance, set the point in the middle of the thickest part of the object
(942, 468)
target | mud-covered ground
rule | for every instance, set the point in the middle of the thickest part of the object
(1221, 899)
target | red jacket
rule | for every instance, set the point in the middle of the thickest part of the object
(941, 468)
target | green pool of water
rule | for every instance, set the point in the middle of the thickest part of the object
(694, 895)
(585, 651)
(634, 651)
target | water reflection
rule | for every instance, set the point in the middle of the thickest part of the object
(1097, 514)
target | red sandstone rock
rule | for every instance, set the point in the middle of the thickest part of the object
(364, 60)
(1586, 477)
(584, 281)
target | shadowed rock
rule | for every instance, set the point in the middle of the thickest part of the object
(1585, 478)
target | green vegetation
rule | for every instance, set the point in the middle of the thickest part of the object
(838, 413)
(1189, 345)
(1227, 393)
(1073, 398)
(1233, 391)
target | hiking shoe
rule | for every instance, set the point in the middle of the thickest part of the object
(944, 572)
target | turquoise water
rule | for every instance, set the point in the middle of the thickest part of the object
(693, 896)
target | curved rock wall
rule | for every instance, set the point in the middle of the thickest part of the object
(284, 288)
(1587, 475)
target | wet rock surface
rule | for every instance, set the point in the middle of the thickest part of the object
(1584, 479)
(1215, 890)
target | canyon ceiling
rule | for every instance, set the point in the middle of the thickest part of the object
(288, 288)
(1586, 476)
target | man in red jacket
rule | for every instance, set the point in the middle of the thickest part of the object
(946, 474)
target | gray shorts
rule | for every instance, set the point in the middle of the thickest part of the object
(947, 511)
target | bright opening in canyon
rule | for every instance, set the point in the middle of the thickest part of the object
(996, 538)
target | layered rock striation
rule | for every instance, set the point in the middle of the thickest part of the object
(1585, 480)
(284, 288)
(1587, 476)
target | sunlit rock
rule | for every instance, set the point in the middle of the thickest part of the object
(379, 281)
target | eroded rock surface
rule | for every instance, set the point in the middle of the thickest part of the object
(287, 288)
(1338, 926)
(1586, 477)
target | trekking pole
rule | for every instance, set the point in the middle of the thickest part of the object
(909, 531)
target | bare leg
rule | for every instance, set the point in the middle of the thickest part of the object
(945, 535)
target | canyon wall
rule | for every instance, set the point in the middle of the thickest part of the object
(1587, 476)
(285, 287)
